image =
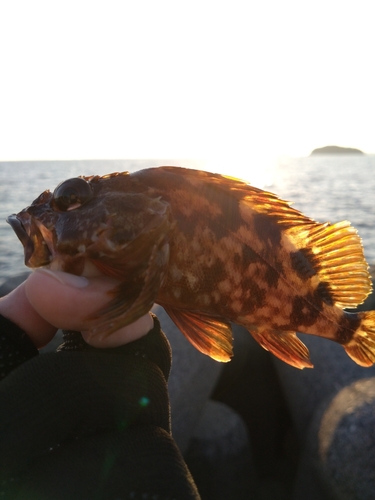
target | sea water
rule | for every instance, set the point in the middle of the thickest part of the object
(326, 188)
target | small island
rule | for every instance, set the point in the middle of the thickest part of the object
(336, 150)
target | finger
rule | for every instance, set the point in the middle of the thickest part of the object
(66, 300)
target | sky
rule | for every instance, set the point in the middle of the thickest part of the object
(219, 80)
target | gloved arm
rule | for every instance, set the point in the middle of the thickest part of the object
(15, 346)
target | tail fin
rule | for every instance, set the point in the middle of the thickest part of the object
(361, 347)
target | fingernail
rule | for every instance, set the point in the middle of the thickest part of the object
(65, 278)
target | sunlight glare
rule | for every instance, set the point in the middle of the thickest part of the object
(257, 171)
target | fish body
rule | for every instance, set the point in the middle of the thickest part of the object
(211, 250)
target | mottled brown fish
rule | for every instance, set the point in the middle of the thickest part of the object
(211, 250)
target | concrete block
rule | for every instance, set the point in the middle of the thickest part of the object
(191, 382)
(333, 408)
(340, 449)
(306, 389)
(219, 455)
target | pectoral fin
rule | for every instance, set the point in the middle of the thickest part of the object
(134, 297)
(209, 335)
(286, 346)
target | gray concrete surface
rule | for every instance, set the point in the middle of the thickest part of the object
(340, 447)
(219, 455)
(192, 380)
(333, 408)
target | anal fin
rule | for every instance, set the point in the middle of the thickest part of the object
(208, 334)
(284, 345)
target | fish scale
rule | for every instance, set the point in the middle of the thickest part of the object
(212, 250)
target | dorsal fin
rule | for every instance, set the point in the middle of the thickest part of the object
(209, 335)
(333, 252)
(258, 200)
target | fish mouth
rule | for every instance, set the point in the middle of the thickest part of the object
(36, 249)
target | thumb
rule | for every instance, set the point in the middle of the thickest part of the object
(67, 301)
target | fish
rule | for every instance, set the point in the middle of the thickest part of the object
(212, 250)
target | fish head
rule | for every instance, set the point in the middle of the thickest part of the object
(36, 237)
(93, 225)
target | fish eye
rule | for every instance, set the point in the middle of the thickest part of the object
(71, 194)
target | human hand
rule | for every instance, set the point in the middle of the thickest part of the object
(49, 300)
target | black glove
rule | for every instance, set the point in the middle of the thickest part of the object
(87, 423)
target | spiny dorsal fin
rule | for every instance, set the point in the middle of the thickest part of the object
(209, 335)
(260, 201)
(286, 346)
